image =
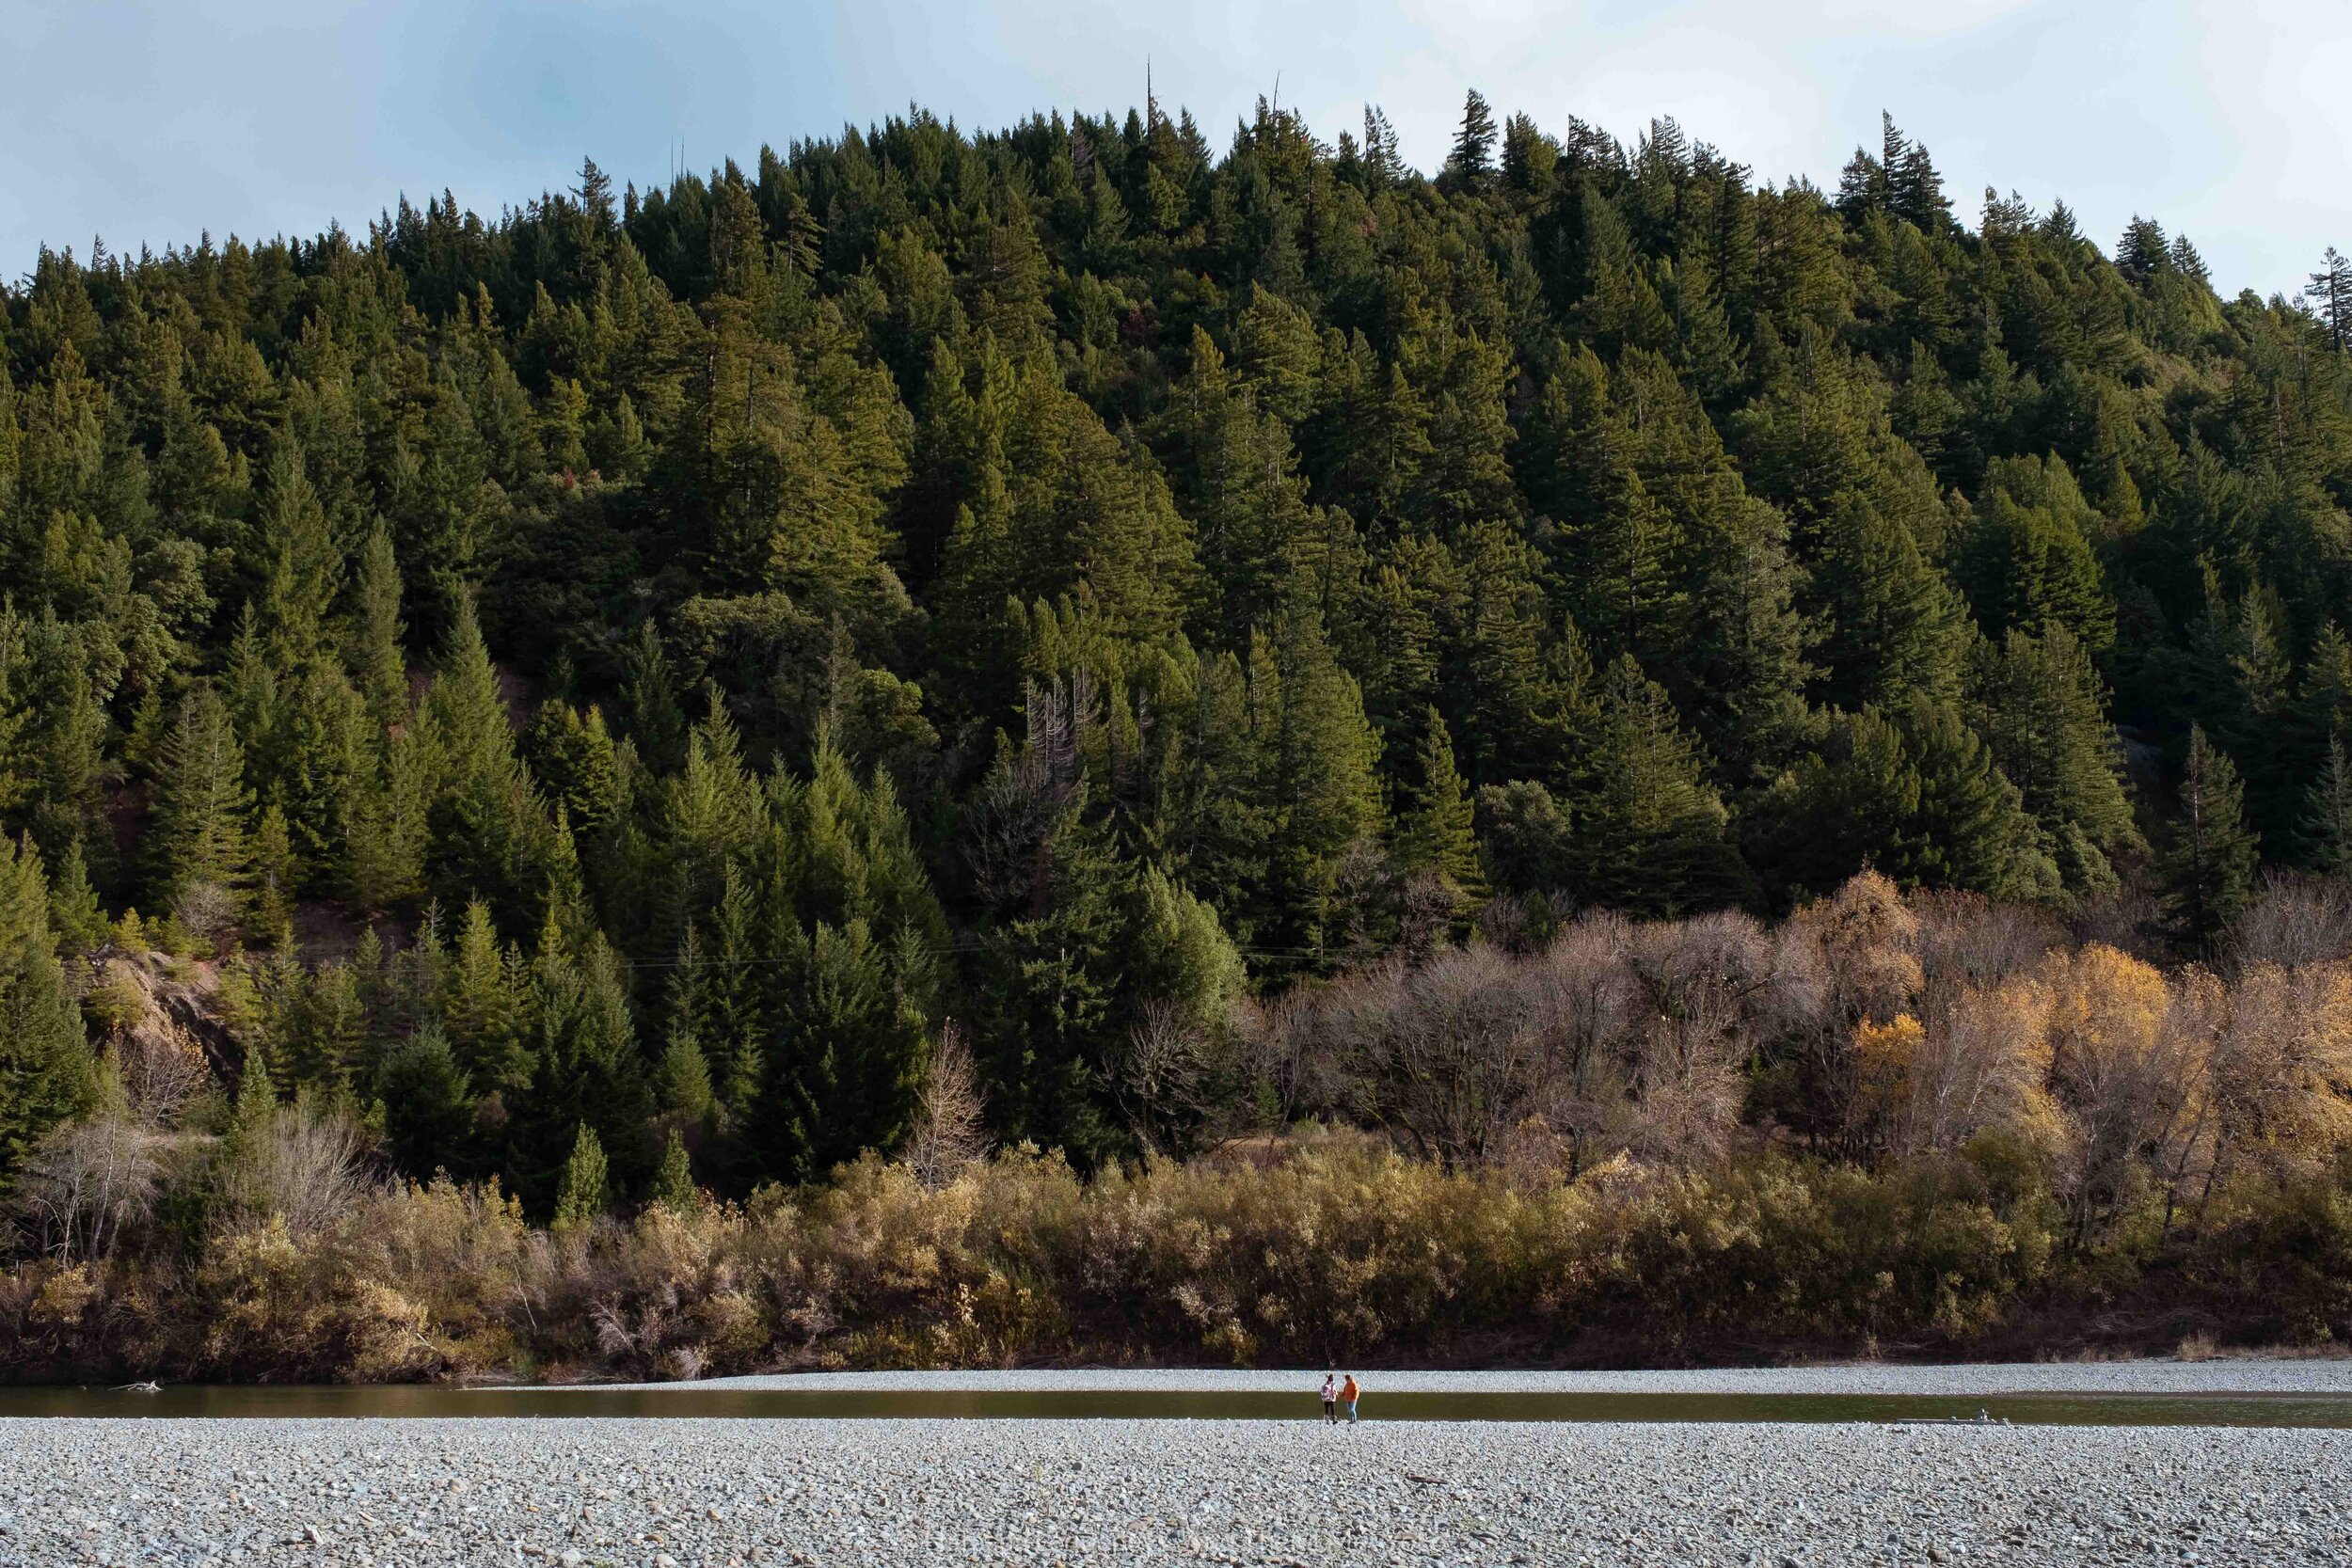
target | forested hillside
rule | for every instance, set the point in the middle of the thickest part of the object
(597, 695)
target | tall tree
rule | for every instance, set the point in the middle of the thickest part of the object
(2208, 869)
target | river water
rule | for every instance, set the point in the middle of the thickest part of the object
(2038, 1409)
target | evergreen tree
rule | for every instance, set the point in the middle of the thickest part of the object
(1474, 154)
(46, 1072)
(2331, 293)
(379, 661)
(2327, 820)
(1651, 836)
(2040, 705)
(1892, 627)
(302, 567)
(584, 1193)
(197, 844)
(673, 1181)
(484, 820)
(1436, 834)
(2208, 870)
(428, 1106)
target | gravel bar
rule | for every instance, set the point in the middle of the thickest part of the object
(570, 1493)
(2317, 1376)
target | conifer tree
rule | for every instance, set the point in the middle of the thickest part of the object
(2208, 869)
(197, 844)
(674, 1181)
(46, 1070)
(1651, 837)
(428, 1106)
(484, 819)
(270, 904)
(1473, 153)
(2040, 704)
(2330, 292)
(379, 660)
(2327, 818)
(1435, 834)
(74, 914)
(1892, 623)
(584, 1193)
(681, 1080)
(1317, 777)
(302, 567)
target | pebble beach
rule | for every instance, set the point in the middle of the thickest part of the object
(574, 1492)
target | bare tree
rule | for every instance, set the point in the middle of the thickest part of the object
(2129, 1060)
(1010, 826)
(1590, 1008)
(1443, 1053)
(2295, 921)
(949, 1135)
(162, 1068)
(1708, 984)
(87, 1182)
(2282, 1068)
(207, 911)
(1162, 1075)
(1980, 1062)
(306, 1169)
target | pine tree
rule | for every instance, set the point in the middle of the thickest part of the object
(428, 1106)
(46, 1072)
(1474, 155)
(2208, 870)
(2328, 821)
(1974, 832)
(485, 820)
(481, 1005)
(270, 903)
(2330, 292)
(302, 567)
(1893, 625)
(1049, 999)
(673, 1181)
(584, 1193)
(379, 661)
(1651, 837)
(681, 1080)
(2040, 704)
(1436, 834)
(1318, 777)
(198, 844)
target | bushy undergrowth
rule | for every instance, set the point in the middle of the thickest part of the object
(1329, 1246)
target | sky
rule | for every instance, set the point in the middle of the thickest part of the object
(152, 121)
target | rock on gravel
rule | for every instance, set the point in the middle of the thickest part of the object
(675, 1494)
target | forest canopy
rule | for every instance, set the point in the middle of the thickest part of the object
(600, 696)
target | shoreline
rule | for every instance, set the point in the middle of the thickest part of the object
(2219, 1375)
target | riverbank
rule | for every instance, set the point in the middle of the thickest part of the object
(656, 1493)
(2220, 1375)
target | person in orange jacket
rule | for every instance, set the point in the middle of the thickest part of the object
(1349, 1391)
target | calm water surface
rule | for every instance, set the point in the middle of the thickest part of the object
(2257, 1410)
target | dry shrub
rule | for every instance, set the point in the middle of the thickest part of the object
(2282, 1069)
(2294, 921)
(303, 1170)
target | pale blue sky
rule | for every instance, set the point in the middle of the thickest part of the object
(146, 122)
